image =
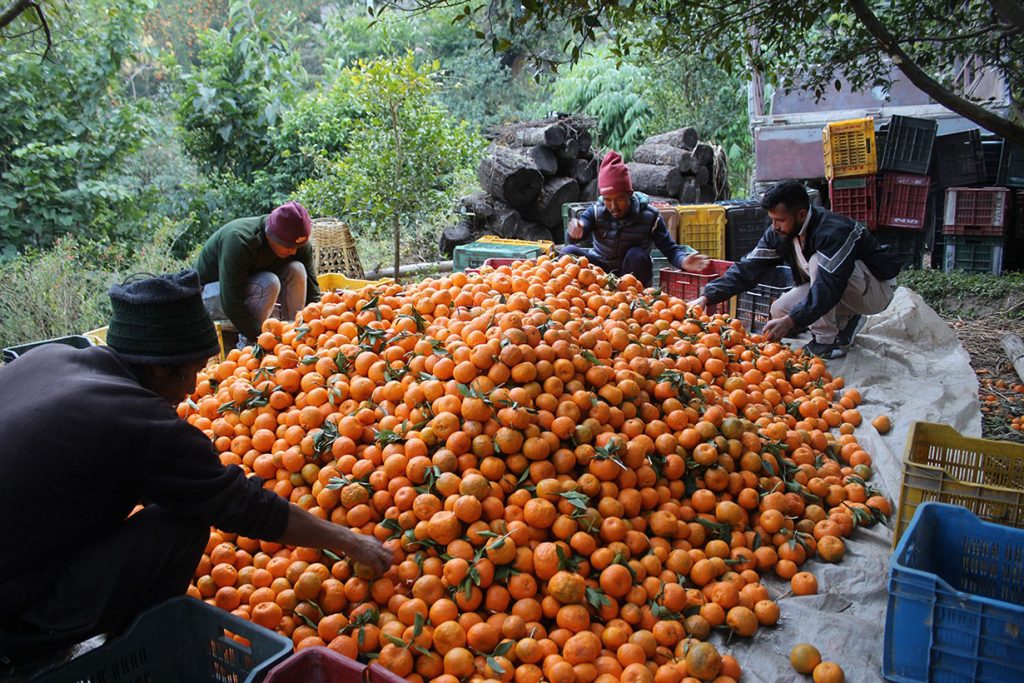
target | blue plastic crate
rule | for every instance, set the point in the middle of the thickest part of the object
(956, 600)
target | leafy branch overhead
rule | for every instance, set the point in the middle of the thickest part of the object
(804, 44)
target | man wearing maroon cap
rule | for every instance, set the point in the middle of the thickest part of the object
(252, 263)
(625, 228)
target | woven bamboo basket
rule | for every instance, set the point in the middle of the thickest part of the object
(334, 249)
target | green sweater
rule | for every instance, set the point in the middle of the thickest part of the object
(235, 253)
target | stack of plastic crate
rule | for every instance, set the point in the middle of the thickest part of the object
(904, 186)
(851, 162)
(974, 226)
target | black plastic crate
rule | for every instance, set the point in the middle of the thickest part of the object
(906, 246)
(908, 145)
(959, 159)
(974, 254)
(753, 307)
(76, 340)
(183, 639)
(1011, 166)
(991, 151)
(744, 225)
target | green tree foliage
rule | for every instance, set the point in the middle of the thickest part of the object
(808, 42)
(693, 91)
(229, 105)
(611, 93)
(480, 87)
(62, 290)
(405, 152)
(65, 127)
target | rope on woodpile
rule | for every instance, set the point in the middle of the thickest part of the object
(716, 168)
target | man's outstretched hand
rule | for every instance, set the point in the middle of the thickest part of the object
(575, 229)
(368, 551)
(695, 262)
(778, 328)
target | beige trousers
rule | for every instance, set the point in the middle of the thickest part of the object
(865, 294)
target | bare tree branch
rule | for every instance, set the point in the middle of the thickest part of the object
(916, 75)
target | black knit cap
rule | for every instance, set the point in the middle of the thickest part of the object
(161, 320)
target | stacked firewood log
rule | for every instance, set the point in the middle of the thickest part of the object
(528, 172)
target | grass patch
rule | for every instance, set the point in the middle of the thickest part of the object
(968, 295)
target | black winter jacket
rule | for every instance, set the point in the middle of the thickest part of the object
(839, 242)
(641, 227)
(83, 442)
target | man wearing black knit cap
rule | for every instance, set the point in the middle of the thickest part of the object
(89, 433)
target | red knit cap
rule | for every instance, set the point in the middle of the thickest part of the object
(289, 224)
(613, 176)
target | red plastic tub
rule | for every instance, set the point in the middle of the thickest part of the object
(686, 285)
(317, 665)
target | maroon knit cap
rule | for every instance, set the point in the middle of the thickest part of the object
(613, 176)
(289, 225)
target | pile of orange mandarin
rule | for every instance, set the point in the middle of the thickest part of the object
(580, 479)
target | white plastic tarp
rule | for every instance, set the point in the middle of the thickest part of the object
(908, 364)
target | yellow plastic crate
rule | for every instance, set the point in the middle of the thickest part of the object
(99, 338)
(329, 281)
(849, 148)
(984, 476)
(544, 245)
(702, 226)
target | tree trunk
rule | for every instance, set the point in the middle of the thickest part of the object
(585, 170)
(477, 209)
(570, 150)
(590, 193)
(666, 155)
(510, 176)
(652, 179)
(704, 153)
(544, 158)
(397, 227)
(547, 210)
(706, 194)
(690, 191)
(1014, 348)
(702, 175)
(584, 140)
(454, 235)
(551, 135)
(889, 44)
(683, 138)
(532, 231)
(504, 220)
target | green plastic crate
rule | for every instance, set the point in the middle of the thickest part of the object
(474, 254)
(974, 254)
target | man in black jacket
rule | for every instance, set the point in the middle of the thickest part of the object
(842, 272)
(89, 433)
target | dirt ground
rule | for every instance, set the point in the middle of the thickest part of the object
(1000, 390)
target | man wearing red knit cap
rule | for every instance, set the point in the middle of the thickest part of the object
(625, 229)
(252, 263)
